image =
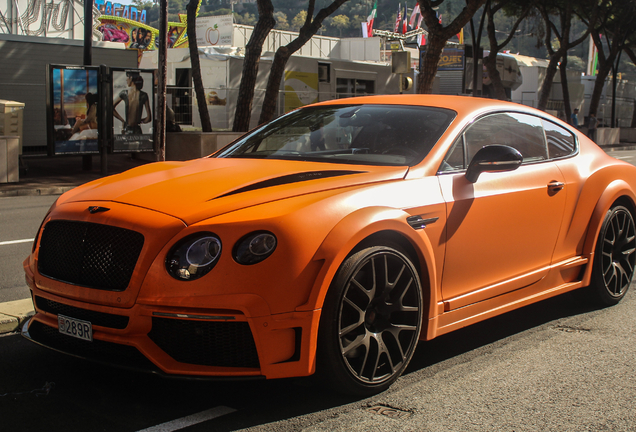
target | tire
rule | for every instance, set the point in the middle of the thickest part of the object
(614, 258)
(370, 323)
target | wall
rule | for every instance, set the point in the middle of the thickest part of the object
(23, 75)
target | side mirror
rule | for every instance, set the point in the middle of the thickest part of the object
(493, 158)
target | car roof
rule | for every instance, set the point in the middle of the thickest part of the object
(463, 105)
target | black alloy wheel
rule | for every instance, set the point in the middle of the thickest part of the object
(371, 321)
(615, 258)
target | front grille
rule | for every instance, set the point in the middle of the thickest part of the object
(95, 318)
(206, 343)
(97, 350)
(89, 254)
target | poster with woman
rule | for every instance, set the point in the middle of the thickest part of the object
(133, 102)
(73, 107)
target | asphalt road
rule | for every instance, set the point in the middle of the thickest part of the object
(553, 366)
(20, 218)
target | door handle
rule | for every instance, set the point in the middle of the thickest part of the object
(555, 186)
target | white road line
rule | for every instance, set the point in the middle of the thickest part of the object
(190, 420)
(15, 242)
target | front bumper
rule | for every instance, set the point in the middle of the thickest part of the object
(179, 342)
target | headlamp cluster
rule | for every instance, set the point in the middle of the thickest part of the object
(196, 255)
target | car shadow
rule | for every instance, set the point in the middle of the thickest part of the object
(478, 335)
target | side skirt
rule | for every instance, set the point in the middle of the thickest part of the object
(565, 276)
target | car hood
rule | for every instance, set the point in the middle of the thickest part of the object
(207, 187)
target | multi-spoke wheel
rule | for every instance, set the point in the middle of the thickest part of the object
(615, 257)
(370, 322)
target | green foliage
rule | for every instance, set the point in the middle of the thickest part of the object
(298, 20)
(281, 21)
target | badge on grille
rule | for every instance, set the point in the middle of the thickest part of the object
(97, 209)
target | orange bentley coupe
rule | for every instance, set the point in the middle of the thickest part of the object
(331, 240)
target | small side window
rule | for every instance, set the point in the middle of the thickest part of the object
(560, 142)
(454, 160)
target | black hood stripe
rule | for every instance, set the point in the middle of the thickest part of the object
(292, 178)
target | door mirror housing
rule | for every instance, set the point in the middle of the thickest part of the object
(493, 158)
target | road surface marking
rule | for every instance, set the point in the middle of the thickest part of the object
(15, 242)
(190, 420)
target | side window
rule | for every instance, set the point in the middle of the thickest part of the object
(454, 160)
(560, 142)
(519, 131)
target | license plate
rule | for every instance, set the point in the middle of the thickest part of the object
(75, 328)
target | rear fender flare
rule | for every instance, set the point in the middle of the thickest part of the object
(615, 190)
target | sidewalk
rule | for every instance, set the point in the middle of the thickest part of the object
(54, 176)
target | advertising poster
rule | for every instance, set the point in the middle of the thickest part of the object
(301, 88)
(73, 110)
(133, 102)
(132, 33)
(451, 59)
(215, 30)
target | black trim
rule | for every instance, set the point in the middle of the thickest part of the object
(292, 178)
(417, 223)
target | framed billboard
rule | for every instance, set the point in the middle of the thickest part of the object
(132, 110)
(73, 110)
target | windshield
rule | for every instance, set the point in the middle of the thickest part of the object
(356, 134)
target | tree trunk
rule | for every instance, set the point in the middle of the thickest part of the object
(546, 86)
(438, 35)
(599, 84)
(565, 89)
(268, 110)
(434, 48)
(253, 50)
(191, 10)
(307, 31)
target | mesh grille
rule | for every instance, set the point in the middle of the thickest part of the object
(97, 350)
(95, 318)
(89, 254)
(206, 343)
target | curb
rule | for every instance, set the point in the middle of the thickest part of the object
(14, 313)
(58, 190)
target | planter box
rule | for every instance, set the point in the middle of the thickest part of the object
(628, 135)
(9, 159)
(608, 136)
(181, 146)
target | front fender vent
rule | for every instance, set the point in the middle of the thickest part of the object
(418, 223)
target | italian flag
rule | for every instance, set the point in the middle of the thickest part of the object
(367, 27)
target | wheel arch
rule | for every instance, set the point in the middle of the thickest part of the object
(617, 192)
(373, 227)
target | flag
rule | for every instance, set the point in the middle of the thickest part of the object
(460, 36)
(405, 21)
(421, 39)
(416, 10)
(370, 19)
(398, 19)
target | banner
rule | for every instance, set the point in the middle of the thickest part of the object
(215, 30)
(301, 88)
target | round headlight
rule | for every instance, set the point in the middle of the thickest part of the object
(194, 256)
(254, 247)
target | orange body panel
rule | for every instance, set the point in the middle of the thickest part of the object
(488, 247)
